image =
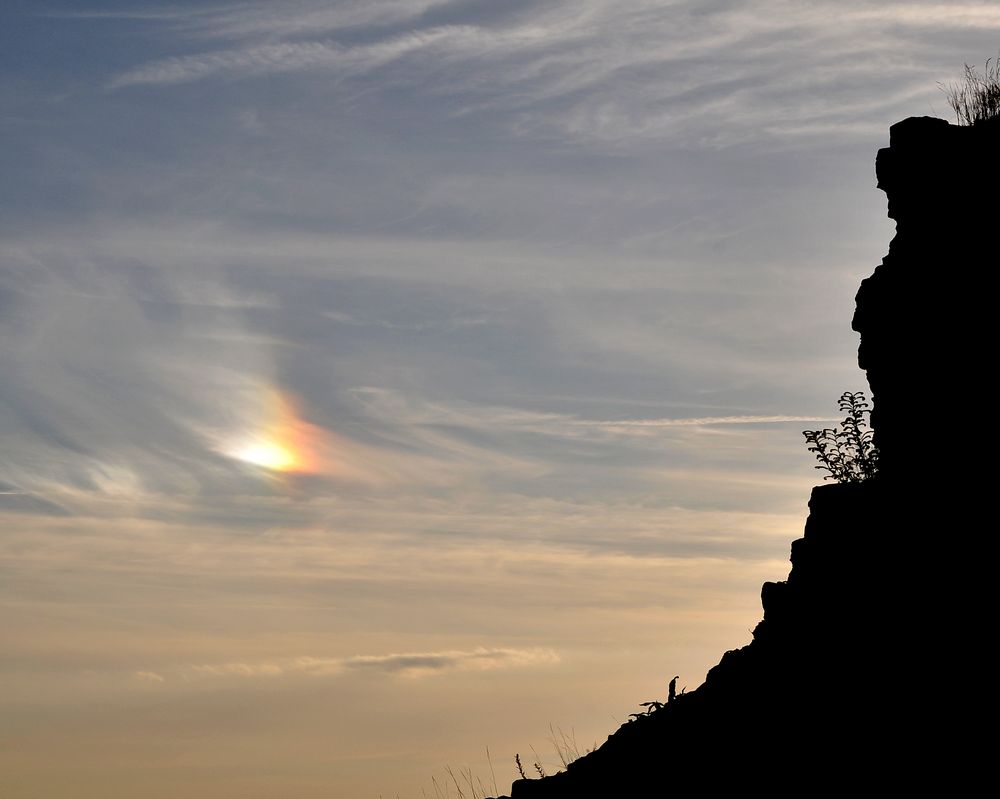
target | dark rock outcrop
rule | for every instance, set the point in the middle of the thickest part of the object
(927, 314)
(865, 672)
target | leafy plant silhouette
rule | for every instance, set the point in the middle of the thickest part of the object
(847, 451)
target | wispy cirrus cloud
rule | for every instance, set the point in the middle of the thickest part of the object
(561, 277)
(481, 416)
(308, 17)
(265, 19)
(154, 316)
(286, 57)
(700, 421)
(597, 70)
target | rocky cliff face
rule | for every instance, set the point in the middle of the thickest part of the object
(927, 313)
(845, 685)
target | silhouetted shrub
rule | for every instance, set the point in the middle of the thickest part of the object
(847, 451)
(977, 98)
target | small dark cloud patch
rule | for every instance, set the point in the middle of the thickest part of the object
(478, 659)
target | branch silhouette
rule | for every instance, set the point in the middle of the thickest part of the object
(847, 452)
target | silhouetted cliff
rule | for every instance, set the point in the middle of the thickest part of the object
(865, 672)
(927, 313)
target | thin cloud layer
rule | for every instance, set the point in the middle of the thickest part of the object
(296, 17)
(411, 664)
(400, 326)
(600, 70)
(182, 368)
(285, 57)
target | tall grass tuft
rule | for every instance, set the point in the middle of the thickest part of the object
(977, 98)
(566, 746)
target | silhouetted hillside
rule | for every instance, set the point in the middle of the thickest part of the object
(864, 674)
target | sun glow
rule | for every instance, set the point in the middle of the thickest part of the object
(269, 433)
(283, 442)
(267, 454)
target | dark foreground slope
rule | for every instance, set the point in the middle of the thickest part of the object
(869, 668)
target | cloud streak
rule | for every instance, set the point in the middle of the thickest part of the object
(297, 17)
(600, 71)
(286, 57)
(409, 664)
(701, 421)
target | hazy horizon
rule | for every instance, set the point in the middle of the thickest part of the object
(385, 381)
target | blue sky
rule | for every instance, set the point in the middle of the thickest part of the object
(387, 380)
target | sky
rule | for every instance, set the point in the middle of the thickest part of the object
(389, 380)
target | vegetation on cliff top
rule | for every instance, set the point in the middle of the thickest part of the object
(977, 98)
